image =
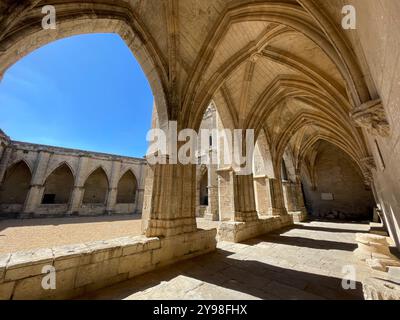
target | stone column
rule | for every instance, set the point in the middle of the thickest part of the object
(277, 201)
(113, 188)
(78, 190)
(212, 208)
(294, 200)
(236, 196)
(139, 201)
(140, 191)
(263, 195)
(289, 196)
(169, 200)
(5, 159)
(36, 190)
(238, 207)
(300, 198)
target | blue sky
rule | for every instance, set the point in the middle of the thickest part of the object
(85, 92)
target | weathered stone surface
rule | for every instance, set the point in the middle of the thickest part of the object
(394, 273)
(371, 116)
(96, 271)
(294, 263)
(6, 290)
(240, 231)
(4, 258)
(300, 89)
(29, 263)
(104, 250)
(91, 266)
(71, 256)
(379, 289)
(31, 288)
(49, 160)
(374, 250)
(134, 262)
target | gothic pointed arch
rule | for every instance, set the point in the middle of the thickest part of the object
(58, 186)
(127, 188)
(16, 183)
(96, 187)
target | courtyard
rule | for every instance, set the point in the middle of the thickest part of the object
(28, 234)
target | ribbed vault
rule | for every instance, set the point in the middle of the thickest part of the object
(280, 67)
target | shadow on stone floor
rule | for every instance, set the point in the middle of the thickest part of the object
(334, 230)
(215, 275)
(304, 242)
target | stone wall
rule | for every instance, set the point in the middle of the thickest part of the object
(82, 169)
(337, 176)
(242, 231)
(86, 267)
(377, 46)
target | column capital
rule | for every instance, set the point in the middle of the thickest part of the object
(372, 117)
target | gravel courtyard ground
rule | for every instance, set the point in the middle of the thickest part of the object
(26, 234)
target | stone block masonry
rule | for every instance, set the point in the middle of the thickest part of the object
(87, 267)
(46, 181)
(241, 231)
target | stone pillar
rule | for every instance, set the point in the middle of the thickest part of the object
(78, 190)
(294, 200)
(36, 190)
(139, 201)
(289, 196)
(263, 195)
(277, 201)
(169, 214)
(238, 207)
(300, 198)
(212, 208)
(236, 198)
(5, 159)
(169, 200)
(113, 188)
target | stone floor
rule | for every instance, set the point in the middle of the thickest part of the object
(305, 262)
(27, 234)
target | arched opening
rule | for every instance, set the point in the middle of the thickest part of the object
(127, 188)
(284, 172)
(70, 128)
(96, 188)
(204, 189)
(207, 159)
(58, 186)
(15, 186)
(339, 192)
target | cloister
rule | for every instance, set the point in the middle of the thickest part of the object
(51, 181)
(322, 100)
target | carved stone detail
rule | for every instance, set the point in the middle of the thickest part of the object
(368, 164)
(372, 117)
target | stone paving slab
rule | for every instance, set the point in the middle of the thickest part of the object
(304, 262)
